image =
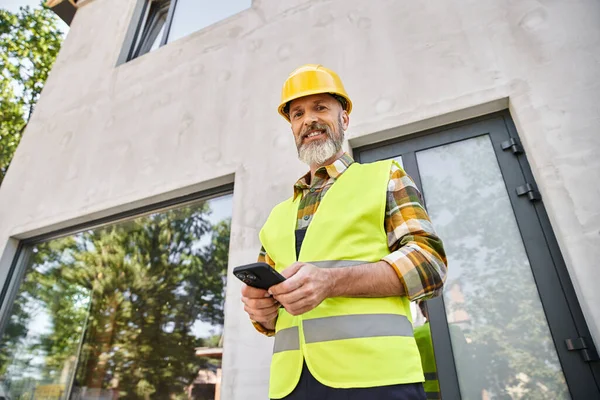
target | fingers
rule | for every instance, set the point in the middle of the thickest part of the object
(253, 293)
(263, 317)
(294, 296)
(259, 304)
(262, 314)
(300, 300)
(292, 269)
(299, 309)
(303, 290)
(301, 305)
(294, 282)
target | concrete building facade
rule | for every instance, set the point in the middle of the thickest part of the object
(109, 135)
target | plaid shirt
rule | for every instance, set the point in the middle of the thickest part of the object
(416, 253)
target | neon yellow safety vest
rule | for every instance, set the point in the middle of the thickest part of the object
(345, 342)
(423, 338)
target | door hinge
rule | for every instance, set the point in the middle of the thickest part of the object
(585, 346)
(513, 145)
(529, 190)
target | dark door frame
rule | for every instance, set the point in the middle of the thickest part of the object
(558, 297)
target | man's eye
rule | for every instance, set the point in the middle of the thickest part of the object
(321, 108)
(297, 114)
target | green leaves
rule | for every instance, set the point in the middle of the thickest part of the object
(130, 302)
(29, 43)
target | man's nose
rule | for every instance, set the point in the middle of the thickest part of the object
(309, 118)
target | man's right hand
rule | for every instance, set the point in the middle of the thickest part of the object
(260, 306)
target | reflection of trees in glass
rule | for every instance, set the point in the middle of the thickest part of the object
(511, 354)
(154, 289)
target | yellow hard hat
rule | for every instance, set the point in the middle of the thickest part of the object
(312, 79)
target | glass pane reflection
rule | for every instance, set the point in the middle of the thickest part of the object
(129, 311)
(500, 337)
(193, 15)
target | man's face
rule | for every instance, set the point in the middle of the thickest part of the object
(318, 123)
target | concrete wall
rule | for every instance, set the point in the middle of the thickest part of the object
(202, 111)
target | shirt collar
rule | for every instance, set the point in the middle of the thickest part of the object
(333, 171)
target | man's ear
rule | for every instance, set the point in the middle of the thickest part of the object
(345, 120)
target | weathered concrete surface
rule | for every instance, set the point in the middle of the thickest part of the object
(202, 110)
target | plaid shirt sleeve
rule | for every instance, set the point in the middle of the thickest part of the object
(264, 257)
(417, 253)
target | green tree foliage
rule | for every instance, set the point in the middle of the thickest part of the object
(123, 303)
(29, 43)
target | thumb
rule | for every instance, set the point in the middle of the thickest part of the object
(291, 270)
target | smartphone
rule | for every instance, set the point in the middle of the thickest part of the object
(258, 275)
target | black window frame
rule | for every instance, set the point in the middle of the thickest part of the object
(146, 26)
(563, 313)
(138, 26)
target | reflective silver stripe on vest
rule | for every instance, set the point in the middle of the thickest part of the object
(430, 376)
(287, 339)
(356, 326)
(433, 395)
(337, 263)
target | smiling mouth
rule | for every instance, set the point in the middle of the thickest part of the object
(313, 134)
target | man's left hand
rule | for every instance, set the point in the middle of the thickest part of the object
(305, 287)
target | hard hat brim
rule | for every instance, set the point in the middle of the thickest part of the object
(282, 106)
(309, 80)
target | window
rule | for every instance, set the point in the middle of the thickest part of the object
(131, 310)
(164, 21)
(502, 327)
(155, 18)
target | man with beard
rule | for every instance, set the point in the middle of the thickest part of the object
(341, 320)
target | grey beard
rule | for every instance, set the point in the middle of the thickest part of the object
(318, 153)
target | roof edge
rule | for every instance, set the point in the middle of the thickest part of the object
(65, 9)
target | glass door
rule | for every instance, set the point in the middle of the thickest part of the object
(500, 329)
